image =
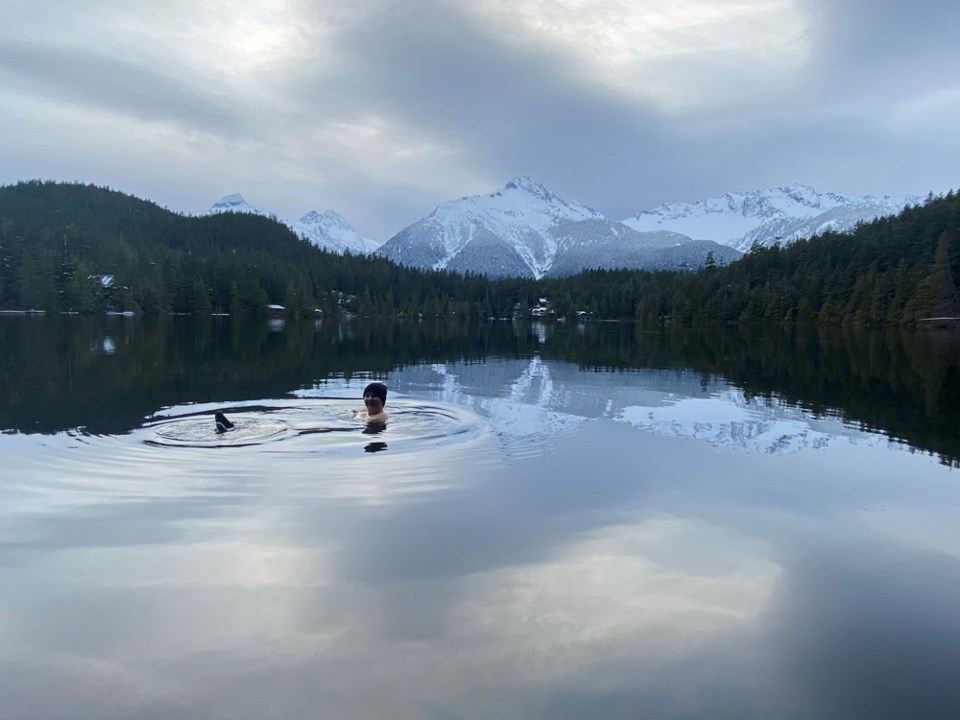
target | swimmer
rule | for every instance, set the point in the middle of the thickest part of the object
(374, 397)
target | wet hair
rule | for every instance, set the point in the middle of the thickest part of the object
(378, 389)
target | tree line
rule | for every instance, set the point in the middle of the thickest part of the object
(70, 247)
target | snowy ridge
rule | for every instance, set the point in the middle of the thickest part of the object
(526, 230)
(767, 216)
(610, 244)
(327, 230)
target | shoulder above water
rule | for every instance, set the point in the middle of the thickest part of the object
(380, 417)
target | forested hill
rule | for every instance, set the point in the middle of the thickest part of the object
(85, 248)
(89, 249)
(900, 270)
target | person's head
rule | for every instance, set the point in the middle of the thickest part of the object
(375, 397)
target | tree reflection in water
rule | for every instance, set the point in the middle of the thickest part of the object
(57, 375)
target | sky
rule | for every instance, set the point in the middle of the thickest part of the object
(383, 109)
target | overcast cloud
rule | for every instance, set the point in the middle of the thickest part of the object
(382, 109)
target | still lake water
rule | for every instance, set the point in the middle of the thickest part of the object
(557, 522)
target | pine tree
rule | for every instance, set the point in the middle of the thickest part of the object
(935, 295)
(201, 301)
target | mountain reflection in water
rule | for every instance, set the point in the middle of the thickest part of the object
(555, 523)
(903, 384)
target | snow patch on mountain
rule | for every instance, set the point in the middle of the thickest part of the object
(609, 244)
(781, 214)
(327, 230)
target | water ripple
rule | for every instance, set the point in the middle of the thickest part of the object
(311, 425)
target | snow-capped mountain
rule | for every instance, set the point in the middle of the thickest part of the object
(331, 231)
(524, 229)
(508, 232)
(766, 216)
(233, 203)
(327, 230)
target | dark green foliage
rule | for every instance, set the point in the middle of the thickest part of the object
(57, 239)
(899, 270)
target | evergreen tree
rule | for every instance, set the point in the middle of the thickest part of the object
(936, 295)
(201, 299)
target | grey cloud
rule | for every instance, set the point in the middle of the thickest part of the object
(86, 78)
(868, 57)
(867, 34)
(434, 70)
(521, 110)
(516, 111)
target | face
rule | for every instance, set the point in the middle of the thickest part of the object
(373, 403)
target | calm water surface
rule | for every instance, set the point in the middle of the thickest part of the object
(557, 522)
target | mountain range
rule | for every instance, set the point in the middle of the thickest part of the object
(781, 214)
(524, 229)
(327, 230)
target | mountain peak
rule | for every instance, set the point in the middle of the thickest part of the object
(329, 230)
(328, 217)
(803, 194)
(233, 201)
(528, 184)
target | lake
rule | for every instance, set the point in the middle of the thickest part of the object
(558, 521)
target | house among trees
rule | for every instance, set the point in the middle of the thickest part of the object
(101, 281)
(542, 309)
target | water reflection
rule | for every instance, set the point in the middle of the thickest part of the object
(107, 376)
(616, 573)
(728, 418)
(545, 528)
(534, 399)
